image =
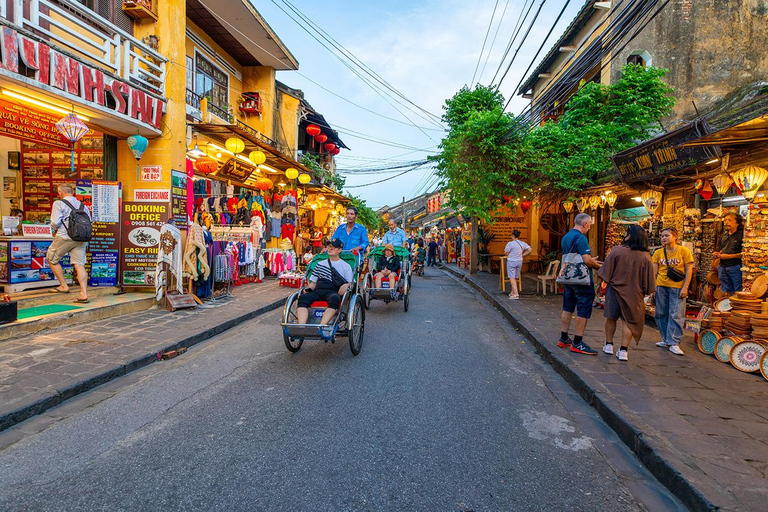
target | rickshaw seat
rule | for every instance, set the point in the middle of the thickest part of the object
(319, 304)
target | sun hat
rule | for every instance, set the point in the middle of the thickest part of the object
(390, 247)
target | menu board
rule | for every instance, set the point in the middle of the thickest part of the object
(140, 240)
(103, 199)
(179, 199)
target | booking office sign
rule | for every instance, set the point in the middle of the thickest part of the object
(140, 237)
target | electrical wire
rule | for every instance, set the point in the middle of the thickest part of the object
(493, 42)
(525, 36)
(485, 40)
(518, 25)
(385, 179)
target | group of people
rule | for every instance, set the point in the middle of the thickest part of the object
(630, 274)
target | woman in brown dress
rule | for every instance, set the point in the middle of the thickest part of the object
(628, 272)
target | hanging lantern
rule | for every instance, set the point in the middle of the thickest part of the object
(291, 173)
(313, 130)
(263, 184)
(610, 198)
(568, 205)
(749, 180)
(340, 208)
(335, 151)
(206, 165)
(329, 146)
(722, 182)
(304, 178)
(651, 200)
(525, 205)
(73, 129)
(235, 145)
(705, 190)
(257, 157)
(581, 204)
(321, 138)
(594, 202)
(603, 200)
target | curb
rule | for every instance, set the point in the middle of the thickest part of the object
(630, 435)
(59, 396)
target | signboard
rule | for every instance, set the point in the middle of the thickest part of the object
(152, 195)
(152, 173)
(229, 172)
(507, 220)
(664, 155)
(27, 124)
(140, 238)
(106, 201)
(28, 263)
(103, 198)
(103, 269)
(36, 230)
(179, 206)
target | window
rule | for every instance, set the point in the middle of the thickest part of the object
(212, 83)
(640, 58)
(110, 10)
(190, 74)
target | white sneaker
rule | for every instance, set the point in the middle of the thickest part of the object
(676, 350)
(515, 297)
(662, 344)
(622, 355)
(608, 348)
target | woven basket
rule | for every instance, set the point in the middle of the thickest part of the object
(707, 341)
(723, 348)
(745, 356)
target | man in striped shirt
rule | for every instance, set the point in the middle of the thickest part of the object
(321, 287)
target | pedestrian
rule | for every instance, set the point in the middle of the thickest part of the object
(628, 274)
(729, 268)
(63, 244)
(576, 297)
(515, 250)
(673, 268)
(317, 241)
(431, 252)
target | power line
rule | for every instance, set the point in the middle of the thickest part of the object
(530, 26)
(488, 31)
(493, 42)
(518, 25)
(385, 179)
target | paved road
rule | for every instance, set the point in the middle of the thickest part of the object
(446, 408)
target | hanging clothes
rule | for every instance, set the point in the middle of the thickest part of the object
(196, 253)
(169, 251)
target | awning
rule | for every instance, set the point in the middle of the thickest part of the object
(754, 130)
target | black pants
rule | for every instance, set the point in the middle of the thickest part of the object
(329, 295)
(431, 260)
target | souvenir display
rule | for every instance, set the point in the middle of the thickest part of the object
(723, 348)
(745, 356)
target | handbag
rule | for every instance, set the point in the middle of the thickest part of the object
(338, 279)
(573, 270)
(672, 273)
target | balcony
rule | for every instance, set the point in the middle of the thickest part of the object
(76, 30)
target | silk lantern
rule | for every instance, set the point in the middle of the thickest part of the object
(722, 182)
(651, 200)
(594, 202)
(257, 157)
(206, 165)
(235, 145)
(73, 129)
(611, 198)
(313, 130)
(749, 180)
(304, 178)
(321, 138)
(291, 173)
(568, 205)
(525, 205)
(706, 190)
(263, 184)
(138, 145)
(329, 146)
(335, 151)
(581, 203)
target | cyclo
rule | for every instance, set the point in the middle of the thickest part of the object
(349, 319)
(402, 279)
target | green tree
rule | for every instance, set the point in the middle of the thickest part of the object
(312, 163)
(365, 215)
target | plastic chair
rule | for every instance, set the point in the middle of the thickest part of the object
(549, 277)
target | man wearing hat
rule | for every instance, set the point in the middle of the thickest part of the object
(388, 266)
(325, 284)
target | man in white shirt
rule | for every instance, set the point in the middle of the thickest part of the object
(321, 286)
(62, 244)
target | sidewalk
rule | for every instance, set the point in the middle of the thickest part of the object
(40, 371)
(699, 425)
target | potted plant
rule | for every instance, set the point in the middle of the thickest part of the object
(484, 238)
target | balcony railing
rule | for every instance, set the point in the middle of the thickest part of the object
(76, 29)
(193, 100)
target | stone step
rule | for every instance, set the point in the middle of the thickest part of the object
(33, 298)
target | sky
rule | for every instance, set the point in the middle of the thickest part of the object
(427, 50)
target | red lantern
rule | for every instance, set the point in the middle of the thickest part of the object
(321, 138)
(329, 146)
(525, 205)
(335, 151)
(263, 184)
(206, 165)
(313, 130)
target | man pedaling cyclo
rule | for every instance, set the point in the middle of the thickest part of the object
(329, 281)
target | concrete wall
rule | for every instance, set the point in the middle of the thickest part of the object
(711, 47)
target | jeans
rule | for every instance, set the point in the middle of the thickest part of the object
(730, 278)
(431, 260)
(670, 314)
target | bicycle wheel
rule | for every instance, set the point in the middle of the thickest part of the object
(357, 328)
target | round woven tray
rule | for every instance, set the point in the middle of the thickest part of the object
(707, 341)
(723, 348)
(745, 356)
(764, 365)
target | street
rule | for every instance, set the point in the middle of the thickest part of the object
(445, 408)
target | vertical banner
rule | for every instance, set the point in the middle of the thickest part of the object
(179, 199)
(140, 240)
(103, 198)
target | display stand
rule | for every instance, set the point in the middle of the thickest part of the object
(173, 299)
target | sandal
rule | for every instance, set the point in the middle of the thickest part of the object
(81, 301)
(57, 290)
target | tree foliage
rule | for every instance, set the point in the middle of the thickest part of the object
(365, 215)
(312, 163)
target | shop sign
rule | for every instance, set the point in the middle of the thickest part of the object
(36, 230)
(152, 195)
(65, 73)
(665, 155)
(152, 173)
(179, 205)
(507, 220)
(103, 198)
(140, 238)
(240, 173)
(24, 123)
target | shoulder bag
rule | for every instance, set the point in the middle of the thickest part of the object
(672, 273)
(573, 270)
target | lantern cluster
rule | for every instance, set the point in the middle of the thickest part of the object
(317, 133)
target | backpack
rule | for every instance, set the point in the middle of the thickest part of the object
(78, 224)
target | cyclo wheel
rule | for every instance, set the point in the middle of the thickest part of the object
(406, 294)
(357, 326)
(367, 285)
(290, 316)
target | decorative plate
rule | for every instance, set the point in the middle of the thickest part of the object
(745, 356)
(723, 304)
(723, 348)
(707, 341)
(764, 365)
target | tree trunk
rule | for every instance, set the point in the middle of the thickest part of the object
(473, 254)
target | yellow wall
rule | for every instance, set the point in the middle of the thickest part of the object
(262, 80)
(288, 120)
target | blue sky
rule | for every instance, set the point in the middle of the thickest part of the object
(427, 49)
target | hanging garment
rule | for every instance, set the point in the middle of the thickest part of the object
(196, 253)
(169, 251)
(260, 267)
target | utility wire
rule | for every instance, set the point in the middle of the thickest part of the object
(518, 26)
(530, 26)
(385, 179)
(485, 40)
(493, 42)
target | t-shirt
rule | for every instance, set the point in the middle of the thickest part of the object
(575, 241)
(515, 249)
(677, 260)
(322, 272)
(732, 244)
(432, 247)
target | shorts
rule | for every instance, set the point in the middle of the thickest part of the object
(612, 307)
(578, 298)
(514, 268)
(328, 295)
(61, 246)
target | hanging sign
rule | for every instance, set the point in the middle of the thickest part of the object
(151, 173)
(229, 172)
(36, 230)
(140, 238)
(179, 210)
(24, 123)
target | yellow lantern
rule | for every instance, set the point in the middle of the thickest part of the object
(721, 182)
(304, 178)
(568, 205)
(291, 173)
(257, 157)
(651, 200)
(235, 145)
(594, 202)
(340, 208)
(749, 180)
(610, 198)
(581, 203)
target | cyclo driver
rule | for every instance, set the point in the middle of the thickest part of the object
(329, 281)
